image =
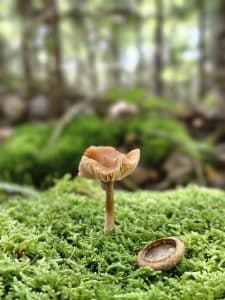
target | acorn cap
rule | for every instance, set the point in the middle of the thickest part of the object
(162, 254)
(107, 164)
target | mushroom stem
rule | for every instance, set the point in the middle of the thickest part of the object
(109, 214)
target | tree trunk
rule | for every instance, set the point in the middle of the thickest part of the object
(91, 55)
(92, 58)
(220, 55)
(89, 41)
(26, 60)
(24, 10)
(53, 47)
(115, 54)
(139, 47)
(202, 49)
(2, 64)
(159, 44)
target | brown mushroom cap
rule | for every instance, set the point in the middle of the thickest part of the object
(107, 164)
(162, 254)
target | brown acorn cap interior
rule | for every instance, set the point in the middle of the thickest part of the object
(162, 254)
(160, 251)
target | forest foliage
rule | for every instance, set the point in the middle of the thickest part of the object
(65, 51)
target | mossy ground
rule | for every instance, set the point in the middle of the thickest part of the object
(53, 246)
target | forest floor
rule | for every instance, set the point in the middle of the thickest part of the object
(53, 244)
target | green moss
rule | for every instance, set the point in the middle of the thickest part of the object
(157, 104)
(65, 154)
(140, 96)
(160, 135)
(132, 95)
(54, 247)
(18, 158)
(27, 158)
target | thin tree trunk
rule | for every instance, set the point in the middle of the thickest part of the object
(79, 19)
(2, 63)
(159, 44)
(91, 55)
(26, 61)
(139, 47)
(24, 10)
(202, 49)
(220, 56)
(53, 45)
(115, 53)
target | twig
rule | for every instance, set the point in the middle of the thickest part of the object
(12, 188)
(74, 110)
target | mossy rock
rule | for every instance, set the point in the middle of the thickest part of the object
(27, 158)
(54, 246)
(159, 136)
(140, 97)
(19, 156)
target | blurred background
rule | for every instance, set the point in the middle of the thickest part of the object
(129, 73)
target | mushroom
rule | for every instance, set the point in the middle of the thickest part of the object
(108, 165)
